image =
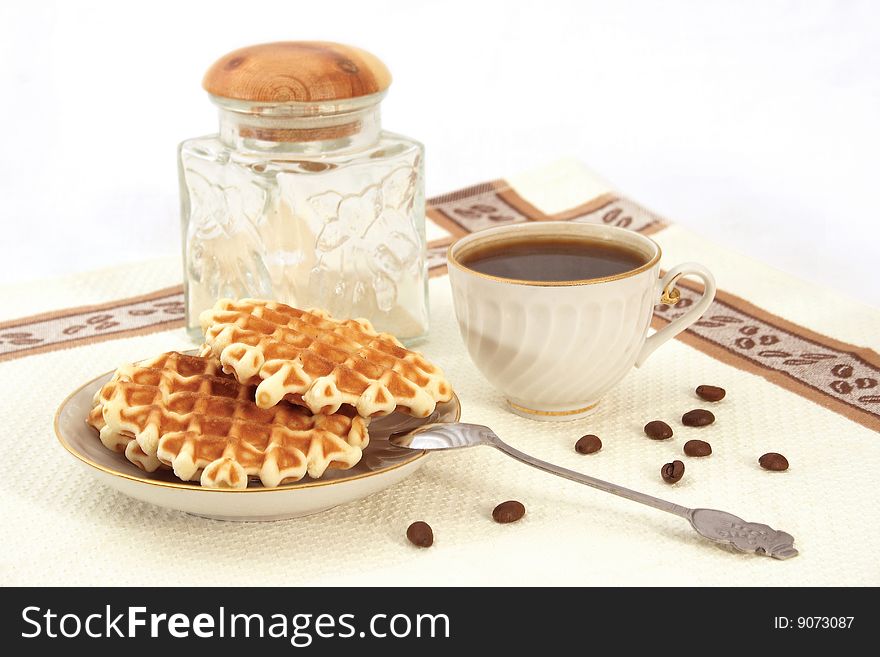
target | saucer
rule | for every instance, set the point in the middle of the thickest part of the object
(382, 466)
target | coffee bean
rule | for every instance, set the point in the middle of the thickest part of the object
(658, 430)
(509, 511)
(711, 393)
(672, 472)
(588, 444)
(420, 534)
(699, 417)
(773, 461)
(697, 448)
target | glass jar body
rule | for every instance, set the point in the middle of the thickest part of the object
(339, 229)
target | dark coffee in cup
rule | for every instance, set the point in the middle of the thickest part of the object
(552, 259)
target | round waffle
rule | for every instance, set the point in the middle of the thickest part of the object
(181, 411)
(311, 359)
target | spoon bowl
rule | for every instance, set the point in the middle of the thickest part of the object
(444, 435)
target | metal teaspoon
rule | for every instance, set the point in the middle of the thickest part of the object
(718, 526)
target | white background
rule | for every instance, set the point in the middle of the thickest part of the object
(753, 123)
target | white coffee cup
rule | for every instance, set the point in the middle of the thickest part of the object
(554, 348)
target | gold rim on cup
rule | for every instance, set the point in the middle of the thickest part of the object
(532, 411)
(452, 259)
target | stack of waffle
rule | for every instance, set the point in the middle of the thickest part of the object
(275, 393)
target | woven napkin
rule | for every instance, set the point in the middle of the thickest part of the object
(799, 363)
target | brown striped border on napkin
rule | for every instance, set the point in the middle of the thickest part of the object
(837, 375)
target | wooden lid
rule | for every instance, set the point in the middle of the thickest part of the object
(300, 71)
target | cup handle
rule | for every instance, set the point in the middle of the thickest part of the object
(670, 295)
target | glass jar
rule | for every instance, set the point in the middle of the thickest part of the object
(302, 197)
